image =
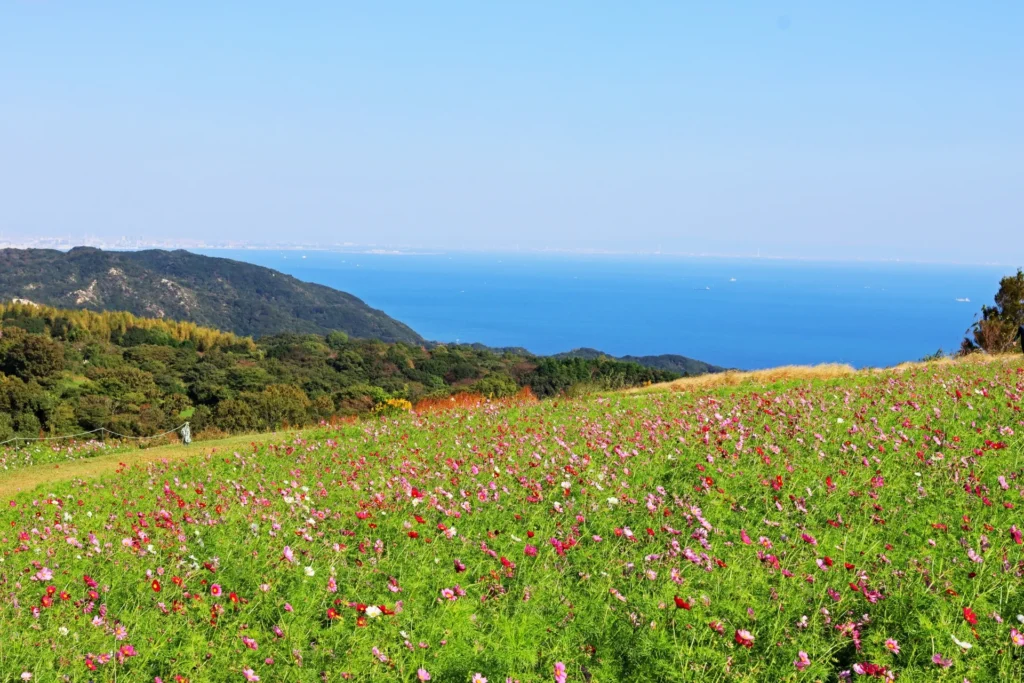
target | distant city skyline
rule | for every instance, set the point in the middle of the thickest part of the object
(125, 243)
(872, 130)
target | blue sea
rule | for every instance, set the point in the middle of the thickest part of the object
(742, 313)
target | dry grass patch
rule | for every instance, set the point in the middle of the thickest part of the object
(826, 371)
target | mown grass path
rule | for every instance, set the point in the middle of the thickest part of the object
(29, 478)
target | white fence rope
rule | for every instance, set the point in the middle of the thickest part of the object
(184, 427)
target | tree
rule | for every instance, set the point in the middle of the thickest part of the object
(234, 415)
(281, 404)
(30, 356)
(994, 331)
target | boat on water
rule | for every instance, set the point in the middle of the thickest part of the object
(963, 300)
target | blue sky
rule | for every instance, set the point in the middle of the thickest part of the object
(853, 129)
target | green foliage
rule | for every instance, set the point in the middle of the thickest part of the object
(996, 329)
(139, 377)
(496, 386)
(31, 356)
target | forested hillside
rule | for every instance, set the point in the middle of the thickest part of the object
(179, 285)
(63, 371)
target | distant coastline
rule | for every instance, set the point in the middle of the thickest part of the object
(198, 246)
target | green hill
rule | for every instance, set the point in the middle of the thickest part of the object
(667, 361)
(216, 292)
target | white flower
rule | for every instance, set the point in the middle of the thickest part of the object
(966, 646)
(373, 612)
(310, 571)
(566, 485)
(613, 501)
(840, 420)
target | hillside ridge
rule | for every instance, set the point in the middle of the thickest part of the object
(230, 295)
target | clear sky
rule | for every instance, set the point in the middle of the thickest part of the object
(865, 129)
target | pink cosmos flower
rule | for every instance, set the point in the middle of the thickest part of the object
(530, 551)
(422, 674)
(560, 675)
(802, 661)
(744, 638)
(215, 590)
(893, 646)
(250, 675)
(1016, 637)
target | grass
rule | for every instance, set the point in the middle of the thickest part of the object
(95, 466)
(865, 524)
(806, 373)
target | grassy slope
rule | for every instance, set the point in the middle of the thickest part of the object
(49, 474)
(895, 509)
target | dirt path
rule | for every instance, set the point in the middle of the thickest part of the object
(29, 478)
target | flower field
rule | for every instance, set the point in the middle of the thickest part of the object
(864, 528)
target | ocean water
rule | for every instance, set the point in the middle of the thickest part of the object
(742, 313)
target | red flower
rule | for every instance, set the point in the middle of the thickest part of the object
(332, 613)
(413, 534)
(155, 585)
(744, 638)
(681, 604)
(970, 616)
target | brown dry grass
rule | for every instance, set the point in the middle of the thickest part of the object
(30, 478)
(790, 373)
